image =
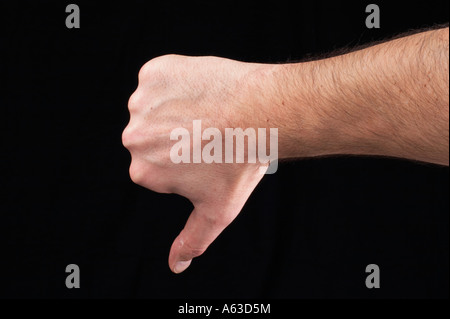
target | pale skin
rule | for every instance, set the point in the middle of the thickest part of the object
(391, 99)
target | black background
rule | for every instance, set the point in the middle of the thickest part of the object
(306, 232)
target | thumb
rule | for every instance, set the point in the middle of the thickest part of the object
(202, 227)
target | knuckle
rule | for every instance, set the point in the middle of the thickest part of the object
(135, 100)
(146, 176)
(156, 66)
(215, 221)
(151, 69)
(137, 173)
(193, 251)
(127, 137)
(146, 70)
(212, 220)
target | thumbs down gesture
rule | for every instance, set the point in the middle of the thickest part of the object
(200, 127)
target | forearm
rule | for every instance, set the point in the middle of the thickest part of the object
(391, 99)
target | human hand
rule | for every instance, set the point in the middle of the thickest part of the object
(174, 91)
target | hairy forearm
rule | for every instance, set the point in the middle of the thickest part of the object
(391, 99)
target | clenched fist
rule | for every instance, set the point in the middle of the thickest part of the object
(173, 92)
